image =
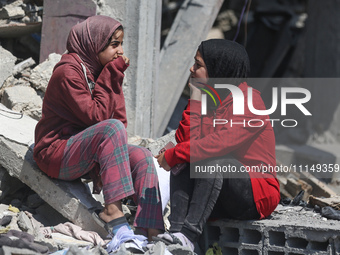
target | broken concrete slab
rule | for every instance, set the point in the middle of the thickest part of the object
(6, 65)
(72, 199)
(42, 73)
(191, 26)
(311, 155)
(14, 10)
(23, 99)
(18, 68)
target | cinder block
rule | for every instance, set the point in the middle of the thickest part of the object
(282, 234)
(251, 236)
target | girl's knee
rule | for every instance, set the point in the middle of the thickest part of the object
(140, 154)
(113, 126)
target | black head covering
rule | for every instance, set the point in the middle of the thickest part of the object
(225, 59)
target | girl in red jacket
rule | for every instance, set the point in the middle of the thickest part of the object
(240, 194)
(82, 129)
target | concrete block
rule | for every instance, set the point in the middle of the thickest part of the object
(41, 74)
(23, 99)
(6, 65)
(289, 230)
(72, 199)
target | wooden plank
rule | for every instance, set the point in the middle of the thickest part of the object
(319, 188)
(16, 29)
(191, 26)
(333, 202)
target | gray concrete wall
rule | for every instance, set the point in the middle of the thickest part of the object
(191, 26)
(141, 21)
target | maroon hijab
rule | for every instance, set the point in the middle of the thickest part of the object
(89, 38)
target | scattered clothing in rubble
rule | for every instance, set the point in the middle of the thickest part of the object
(74, 250)
(297, 200)
(125, 235)
(330, 213)
(75, 231)
(6, 220)
(18, 239)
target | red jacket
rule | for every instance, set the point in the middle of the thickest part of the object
(69, 108)
(251, 146)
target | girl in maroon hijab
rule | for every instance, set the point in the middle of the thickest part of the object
(82, 129)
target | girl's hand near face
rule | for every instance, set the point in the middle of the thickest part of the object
(195, 92)
(126, 59)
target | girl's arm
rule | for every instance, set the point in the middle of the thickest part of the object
(108, 99)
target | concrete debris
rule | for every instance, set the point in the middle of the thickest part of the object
(19, 68)
(25, 224)
(22, 87)
(23, 99)
(18, 18)
(41, 74)
(333, 202)
(6, 65)
(13, 10)
(20, 11)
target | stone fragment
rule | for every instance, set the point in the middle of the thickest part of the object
(41, 74)
(18, 68)
(25, 223)
(6, 64)
(12, 11)
(23, 99)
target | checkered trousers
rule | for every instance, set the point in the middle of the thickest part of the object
(124, 169)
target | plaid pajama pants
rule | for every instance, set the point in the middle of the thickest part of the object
(124, 169)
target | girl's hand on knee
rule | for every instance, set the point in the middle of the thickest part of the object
(162, 161)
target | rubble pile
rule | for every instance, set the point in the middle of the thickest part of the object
(20, 11)
(23, 87)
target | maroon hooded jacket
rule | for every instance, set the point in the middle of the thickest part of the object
(69, 107)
